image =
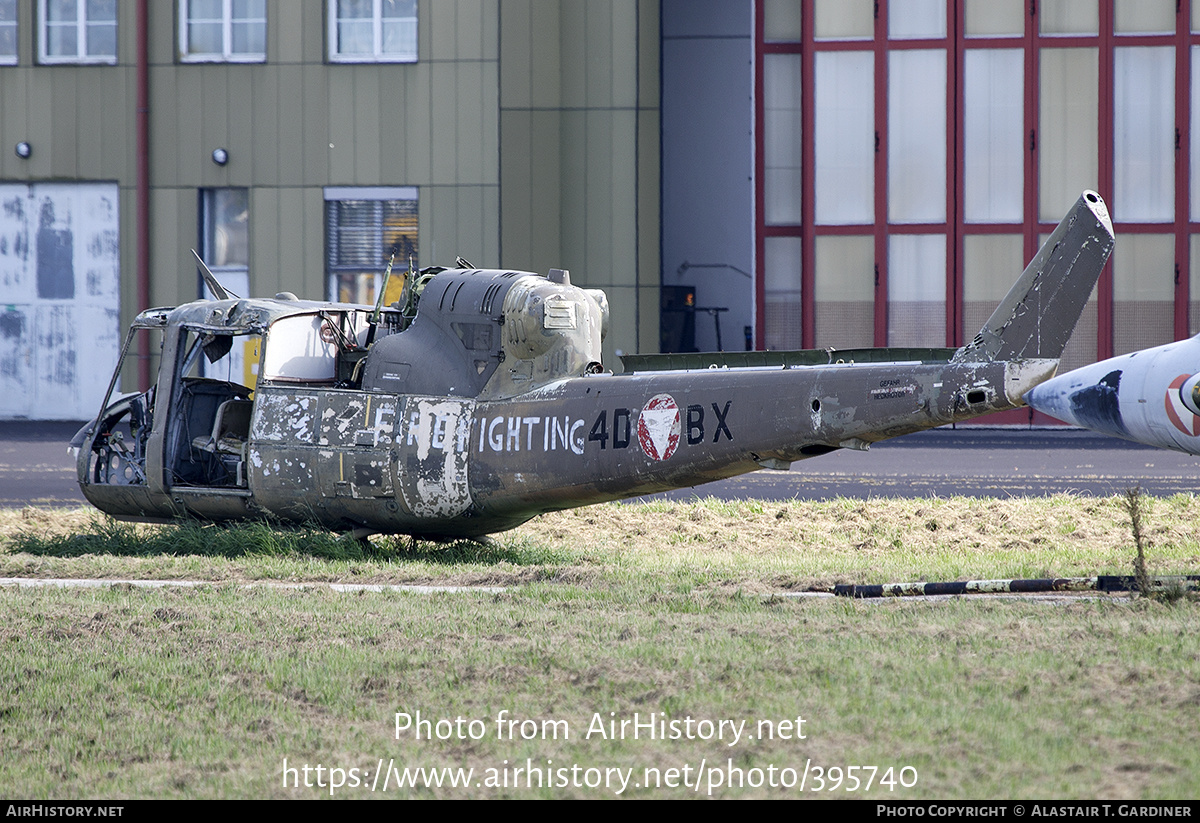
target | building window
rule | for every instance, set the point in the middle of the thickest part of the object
(72, 31)
(363, 226)
(8, 32)
(225, 238)
(223, 30)
(373, 31)
(916, 153)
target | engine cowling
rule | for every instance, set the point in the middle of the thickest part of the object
(492, 334)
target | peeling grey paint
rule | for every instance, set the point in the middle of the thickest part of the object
(12, 325)
(361, 428)
(55, 254)
(60, 281)
(434, 477)
(284, 418)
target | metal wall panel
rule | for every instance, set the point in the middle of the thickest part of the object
(442, 109)
(266, 221)
(574, 57)
(175, 231)
(418, 128)
(275, 142)
(516, 195)
(314, 96)
(517, 39)
(341, 111)
(579, 172)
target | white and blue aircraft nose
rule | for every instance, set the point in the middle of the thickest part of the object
(1150, 396)
(1089, 397)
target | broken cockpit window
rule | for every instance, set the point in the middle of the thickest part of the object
(323, 348)
(117, 453)
(209, 423)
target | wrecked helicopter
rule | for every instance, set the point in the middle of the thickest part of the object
(478, 400)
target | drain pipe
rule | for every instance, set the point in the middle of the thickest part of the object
(143, 188)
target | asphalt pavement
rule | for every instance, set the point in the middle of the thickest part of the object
(972, 462)
(36, 469)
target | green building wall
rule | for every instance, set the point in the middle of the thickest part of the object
(579, 151)
(529, 127)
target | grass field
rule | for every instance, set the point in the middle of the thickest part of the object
(670, 617)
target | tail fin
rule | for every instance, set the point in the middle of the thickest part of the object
(1036, 318)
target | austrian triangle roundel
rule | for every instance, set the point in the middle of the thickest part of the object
(1180, 416)
(659, 427)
